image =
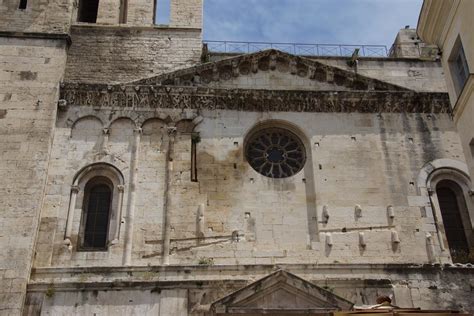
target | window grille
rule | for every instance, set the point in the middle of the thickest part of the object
(97, 217)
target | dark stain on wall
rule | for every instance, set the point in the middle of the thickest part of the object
(430, 151)
(28, 75)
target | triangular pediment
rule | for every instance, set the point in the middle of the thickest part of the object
(270, 70)
(280, 292)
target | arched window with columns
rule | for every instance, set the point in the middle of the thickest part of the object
(96, 213)
(97, 192)
(450, 190)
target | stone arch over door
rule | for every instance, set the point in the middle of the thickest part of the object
(449, 188)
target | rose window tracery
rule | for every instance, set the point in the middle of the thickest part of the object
(275, 153)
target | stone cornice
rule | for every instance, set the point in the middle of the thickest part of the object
(435, 17)
(191, 275)
(267, 61)
(93, 27)
(31, 35)
(143, 97)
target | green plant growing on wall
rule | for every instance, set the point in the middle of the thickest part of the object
(196, 138)
(50, 291)
(206, 261)
(149, 275)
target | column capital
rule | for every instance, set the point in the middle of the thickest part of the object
(75, 189)
(138, 130)
(172, 130)
(120, 188)
(106, 131)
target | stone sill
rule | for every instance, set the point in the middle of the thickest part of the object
(128, 27)
(49, 36)
(71, 278)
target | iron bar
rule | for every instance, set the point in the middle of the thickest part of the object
(305, 49)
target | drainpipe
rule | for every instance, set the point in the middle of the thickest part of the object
(127, 256)
(167, 197)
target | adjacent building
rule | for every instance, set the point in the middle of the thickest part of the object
(449, 25)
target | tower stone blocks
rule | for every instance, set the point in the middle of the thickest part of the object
(33, 45)
(39, 16)
(186, 13)
(30, 71)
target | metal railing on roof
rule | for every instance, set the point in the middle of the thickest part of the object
(232, 47)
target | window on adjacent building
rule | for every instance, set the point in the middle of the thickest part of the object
(88, 11)
(95, 222)
(23, 4)
(458, 66)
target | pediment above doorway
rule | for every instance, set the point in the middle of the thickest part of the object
(280, 293)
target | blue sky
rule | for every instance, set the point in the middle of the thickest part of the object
(309, 21)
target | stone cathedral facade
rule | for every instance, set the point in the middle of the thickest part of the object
(142, 175)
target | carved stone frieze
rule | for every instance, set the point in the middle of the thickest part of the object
(131, 97)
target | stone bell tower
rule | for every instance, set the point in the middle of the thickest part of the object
(117, 40)
(43, 43)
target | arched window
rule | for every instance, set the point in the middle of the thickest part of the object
(96, 214)
(449, 188)
(455, 219)
(98, 189)
(88, 11)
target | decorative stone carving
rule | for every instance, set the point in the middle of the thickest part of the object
(325, 214)
(362, 241)
(390, 212)
(148, 97)
(275, 153)
(62, 104)
(280, 287)
(329, 241)
(395, 237)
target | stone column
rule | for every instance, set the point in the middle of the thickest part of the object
(118, 219)
(105, 143)
(127, 256)
(70, 215)
(167, 197)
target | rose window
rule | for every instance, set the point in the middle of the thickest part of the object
(275, 153)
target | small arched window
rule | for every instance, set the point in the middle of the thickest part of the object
(455, 219)
(96, 213)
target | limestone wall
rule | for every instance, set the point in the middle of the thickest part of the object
(353, 159)
(121, 54)
(39, 16)
(189, 290)
(412, 74)
(30, 70)
(408, 73)
(141, 12)
(186, 13)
